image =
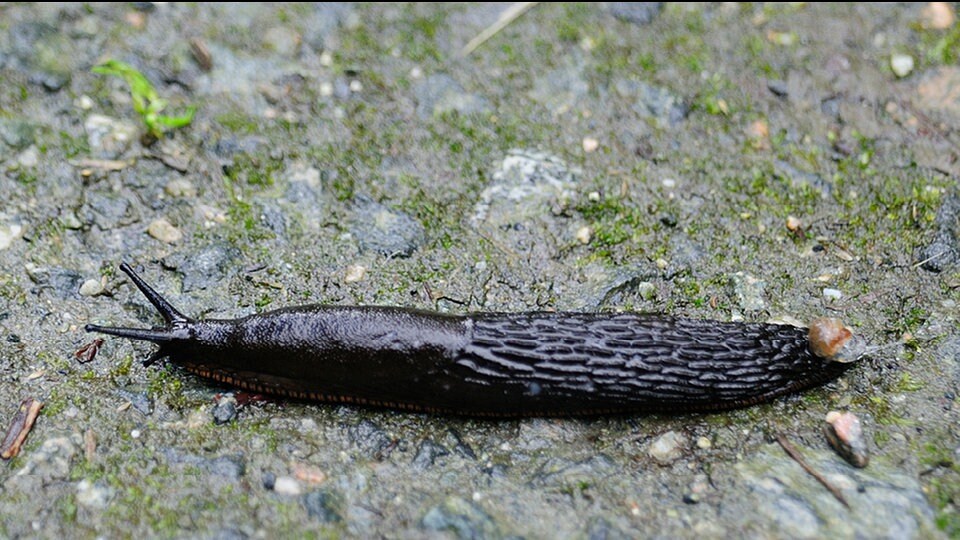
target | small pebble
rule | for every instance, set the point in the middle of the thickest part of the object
(748, 291)
(91, 287)
(269, 480)
(669, 183)
(704, 443)
(356, 86)
(326, 89)
(8, 233)
(308, 474)
(667, 448)
(590, 144)
(584, 234)
(901, 64)
(29, 158)
(326, 59)
(93, 495)
(697, 489)
(759, 134)
(286, 485)
(212, 215)
(937, 16)
(647, 290)
(225, 410)
(845, 435)
(794, 223)
(832, 295)
(180, 187)
(84, 103)
(354, 273)
(163, 230)
(778, 87)
(282, 40)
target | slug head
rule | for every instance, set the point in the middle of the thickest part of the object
(178, 330)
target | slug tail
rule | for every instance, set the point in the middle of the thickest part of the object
(167, 311)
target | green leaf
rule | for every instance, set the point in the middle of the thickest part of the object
(178, 121)
(146, 101)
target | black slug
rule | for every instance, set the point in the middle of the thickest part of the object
(500, 364)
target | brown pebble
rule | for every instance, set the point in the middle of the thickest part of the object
(845, 435)
(828, 336)
(937, 16)
(793, 224)
(308, 474)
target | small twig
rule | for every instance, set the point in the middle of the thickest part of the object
(177, 163)
(793, 453)
(930, 258)
(19, 427)
(104, 164)
(509, 15)
(201, 53)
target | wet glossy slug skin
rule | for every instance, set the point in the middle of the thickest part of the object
(498, 364)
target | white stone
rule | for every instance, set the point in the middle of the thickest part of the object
(901, 64)
(93, 495)
(832, 294)
(354, 273)
(29, 158)
(584, 234)
(287, 485)
(667, 448)
(91, 287)
(180, 187)
(8, 233)
(163, 230)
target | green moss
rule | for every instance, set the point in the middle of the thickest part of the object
(56, 402)
(253, 170)
(263, 301)
(907, 383)
(942, 481)
(122, 368)
(419, 39)
(884, 414)
(940, 47)
(73, 146)
(27, 177)
(166, 385)
(237, 122)
(614, 224)
(67, 508)
(573, 22)
(11, 290)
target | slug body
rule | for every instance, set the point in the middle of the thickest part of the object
(497, 364)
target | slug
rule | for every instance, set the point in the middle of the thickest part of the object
(499, 364)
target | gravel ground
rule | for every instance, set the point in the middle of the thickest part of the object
(768, 162)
